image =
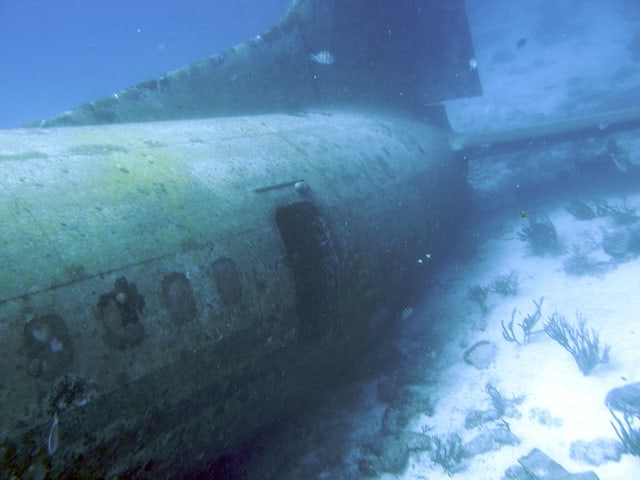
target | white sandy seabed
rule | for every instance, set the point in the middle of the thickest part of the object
(545, 374)
(576, 57)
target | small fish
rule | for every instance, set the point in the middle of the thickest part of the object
(427, 256)
(323, 58)
(406, 313)
(54, 436)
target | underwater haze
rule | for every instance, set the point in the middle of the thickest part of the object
(56, 55)
(317, 287)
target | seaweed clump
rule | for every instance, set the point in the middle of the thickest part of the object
(580, 263)
(582, 343)
(501, 406)
(621, 214)
(506, 284)
(479, 294)
(448, 452)
(622, 244)
(580, 210)
(628, 434)
(542, 237)
(527, 325)
(626, 399)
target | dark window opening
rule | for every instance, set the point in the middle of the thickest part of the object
(313, 260)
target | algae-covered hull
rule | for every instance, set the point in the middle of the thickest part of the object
(170, 288)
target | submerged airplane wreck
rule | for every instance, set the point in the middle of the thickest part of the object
(190, 259)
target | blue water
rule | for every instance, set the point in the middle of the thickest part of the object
(55, 55)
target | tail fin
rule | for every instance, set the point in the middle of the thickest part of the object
(386, 53)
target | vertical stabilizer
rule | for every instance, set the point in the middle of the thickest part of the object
(386, 53)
